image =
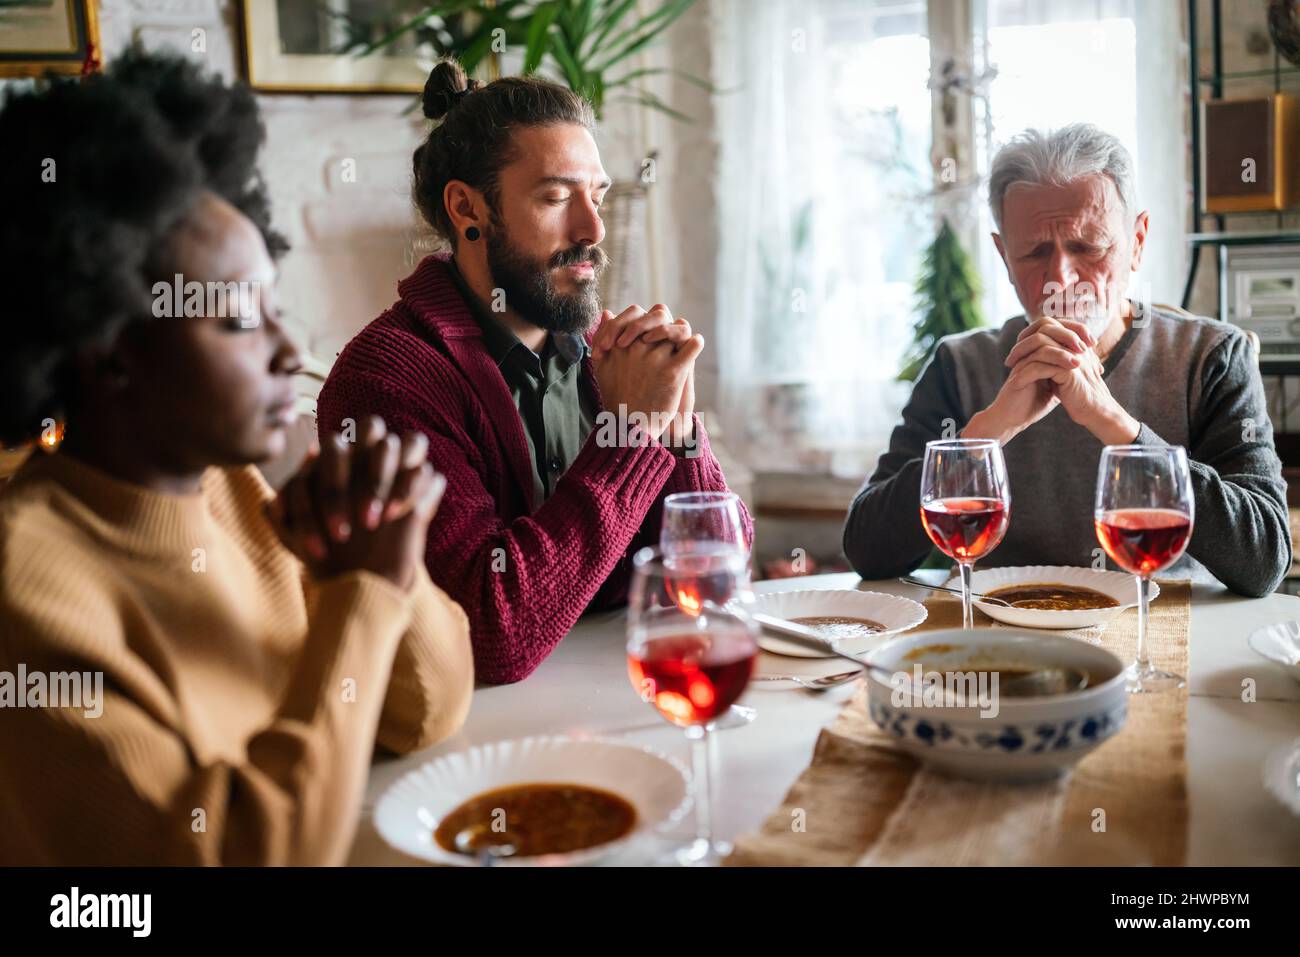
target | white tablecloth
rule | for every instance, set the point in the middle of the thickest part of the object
(583, 689)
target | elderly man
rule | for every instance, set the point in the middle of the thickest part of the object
(1083, 368)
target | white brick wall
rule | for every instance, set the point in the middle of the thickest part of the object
(352, 241)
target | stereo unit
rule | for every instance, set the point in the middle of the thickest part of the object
(1263, 286)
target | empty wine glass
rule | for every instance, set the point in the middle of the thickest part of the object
(702, 523)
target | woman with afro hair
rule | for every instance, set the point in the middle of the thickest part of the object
(193, 669)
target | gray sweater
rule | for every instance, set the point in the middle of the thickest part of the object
(1190, 381)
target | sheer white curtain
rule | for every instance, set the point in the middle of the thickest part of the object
(823, 130)
(1163, 186)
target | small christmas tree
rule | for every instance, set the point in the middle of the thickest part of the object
(947, 294)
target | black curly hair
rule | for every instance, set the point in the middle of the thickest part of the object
(94, 175)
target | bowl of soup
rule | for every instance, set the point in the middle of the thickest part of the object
(539, 801)
(853, 621)
(940, 699)
(1054, 597)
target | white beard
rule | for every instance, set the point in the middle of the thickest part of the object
(1096, 321)
(1085, 310)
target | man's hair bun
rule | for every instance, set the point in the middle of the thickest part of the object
(446, 84)
(471, 137)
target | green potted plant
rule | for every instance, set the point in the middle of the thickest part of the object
(586, 44)
(948, 300)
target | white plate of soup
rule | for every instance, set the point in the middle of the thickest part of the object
(855, 621)
(1054, 597)
(533, 801)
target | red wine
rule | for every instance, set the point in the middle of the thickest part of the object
(1143, 540)
(966, 529)
(694, 677)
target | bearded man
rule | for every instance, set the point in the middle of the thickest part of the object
(560, 428)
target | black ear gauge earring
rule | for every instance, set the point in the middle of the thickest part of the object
(472, 233)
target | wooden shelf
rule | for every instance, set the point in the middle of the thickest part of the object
(1289, 237)
(1275, 73)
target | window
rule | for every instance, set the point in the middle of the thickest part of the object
(825, 150)
(826, 193)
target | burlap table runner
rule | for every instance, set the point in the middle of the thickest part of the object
(863, 801)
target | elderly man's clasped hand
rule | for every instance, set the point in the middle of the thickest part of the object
(1054, 362)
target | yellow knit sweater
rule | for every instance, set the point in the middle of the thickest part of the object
(241, 700)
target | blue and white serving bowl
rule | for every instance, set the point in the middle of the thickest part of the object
(998, 737)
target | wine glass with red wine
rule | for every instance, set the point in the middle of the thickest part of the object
(1143, 518)
(690, 653)
(965, 504)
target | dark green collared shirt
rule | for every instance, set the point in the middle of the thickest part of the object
(556, 410)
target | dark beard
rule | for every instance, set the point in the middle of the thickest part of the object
(529, 291)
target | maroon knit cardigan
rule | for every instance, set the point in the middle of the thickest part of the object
(523, 573)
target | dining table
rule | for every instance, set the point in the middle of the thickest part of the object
(1240, 708)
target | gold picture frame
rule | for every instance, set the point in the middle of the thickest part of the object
(271, 67)
(48, 36)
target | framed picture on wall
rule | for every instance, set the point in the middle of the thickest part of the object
(321, 46)
(48, 36)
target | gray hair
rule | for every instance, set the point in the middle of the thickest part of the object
(1060, 157)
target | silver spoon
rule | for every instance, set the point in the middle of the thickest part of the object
(809, 638)
(824, 683)
(487, 854)
(1038, 682)
(957, 591)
